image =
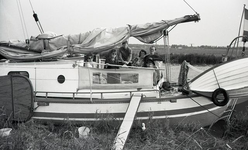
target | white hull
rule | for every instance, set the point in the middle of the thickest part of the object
(231, 76)
(185, 109)
(66, 101)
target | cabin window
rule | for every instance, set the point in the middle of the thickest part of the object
(115, 78)
(61, 79)
(24, 73)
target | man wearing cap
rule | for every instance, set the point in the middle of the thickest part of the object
(125, 54)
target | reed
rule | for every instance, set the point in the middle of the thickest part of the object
(157, 135)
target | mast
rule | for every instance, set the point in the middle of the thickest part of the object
(167, 56)
(242, 16)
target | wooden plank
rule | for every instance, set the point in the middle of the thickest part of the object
(127, 122)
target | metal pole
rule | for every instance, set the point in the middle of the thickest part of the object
(12, 97)
(239, 30)
(167, 56)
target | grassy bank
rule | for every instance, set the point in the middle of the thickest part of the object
(193, 55)
(158, 135)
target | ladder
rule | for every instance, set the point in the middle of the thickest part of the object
(127, 122)
(227, 113)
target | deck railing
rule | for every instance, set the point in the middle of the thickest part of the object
(58, 94)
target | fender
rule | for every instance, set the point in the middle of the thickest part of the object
(220, 102)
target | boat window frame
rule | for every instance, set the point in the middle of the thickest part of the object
(24, 73)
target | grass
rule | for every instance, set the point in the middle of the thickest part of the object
(193, 55)
(158, 135)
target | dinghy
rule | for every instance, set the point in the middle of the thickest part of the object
(229, 77)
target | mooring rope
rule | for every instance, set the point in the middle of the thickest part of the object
(204, 107)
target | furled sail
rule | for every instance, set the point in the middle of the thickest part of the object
(99, 39)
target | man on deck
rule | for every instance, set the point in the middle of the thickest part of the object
(125, 54)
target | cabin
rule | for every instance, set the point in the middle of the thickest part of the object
(71, 77)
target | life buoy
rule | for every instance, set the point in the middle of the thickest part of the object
(219, 92)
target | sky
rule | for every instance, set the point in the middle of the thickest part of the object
(219, 24)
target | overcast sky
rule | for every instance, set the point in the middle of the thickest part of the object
(219, 22)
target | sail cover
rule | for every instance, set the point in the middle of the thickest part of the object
(100, 39)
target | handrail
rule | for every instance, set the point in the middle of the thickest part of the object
(103, 92)
(147, 90)
(121, 66)
(229, 46)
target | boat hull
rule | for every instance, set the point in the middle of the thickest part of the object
(175, 109)
(85, 101)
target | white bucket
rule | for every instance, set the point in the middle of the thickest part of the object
(83, 132)
(5, 132)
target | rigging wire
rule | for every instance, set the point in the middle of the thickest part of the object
(190, 6)
(24, 27)
(31, 5)
(172, 28)
(204, 107)
(20, 18)
(24, 20)
(216, 79)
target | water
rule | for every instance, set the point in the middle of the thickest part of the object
(175, 69)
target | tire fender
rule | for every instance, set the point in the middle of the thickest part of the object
(217, 101)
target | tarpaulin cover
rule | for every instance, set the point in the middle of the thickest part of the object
(100, 39)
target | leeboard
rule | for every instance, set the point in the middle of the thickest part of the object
(16, 98)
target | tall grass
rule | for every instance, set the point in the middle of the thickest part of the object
(159, 134)
(194, 58)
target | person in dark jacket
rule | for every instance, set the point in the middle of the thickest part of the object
(125, 54)
(139, 61)
(111, 60)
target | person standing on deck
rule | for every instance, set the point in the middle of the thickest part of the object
(148, 62)
(157, 61)
(125, 54)
(153, 54)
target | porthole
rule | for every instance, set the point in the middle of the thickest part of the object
(61, 79)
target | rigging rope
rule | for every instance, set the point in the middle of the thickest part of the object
(194, 68)
(36, 19)
(204, 107)
(216, 78)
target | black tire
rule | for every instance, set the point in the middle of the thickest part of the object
(220, 102)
